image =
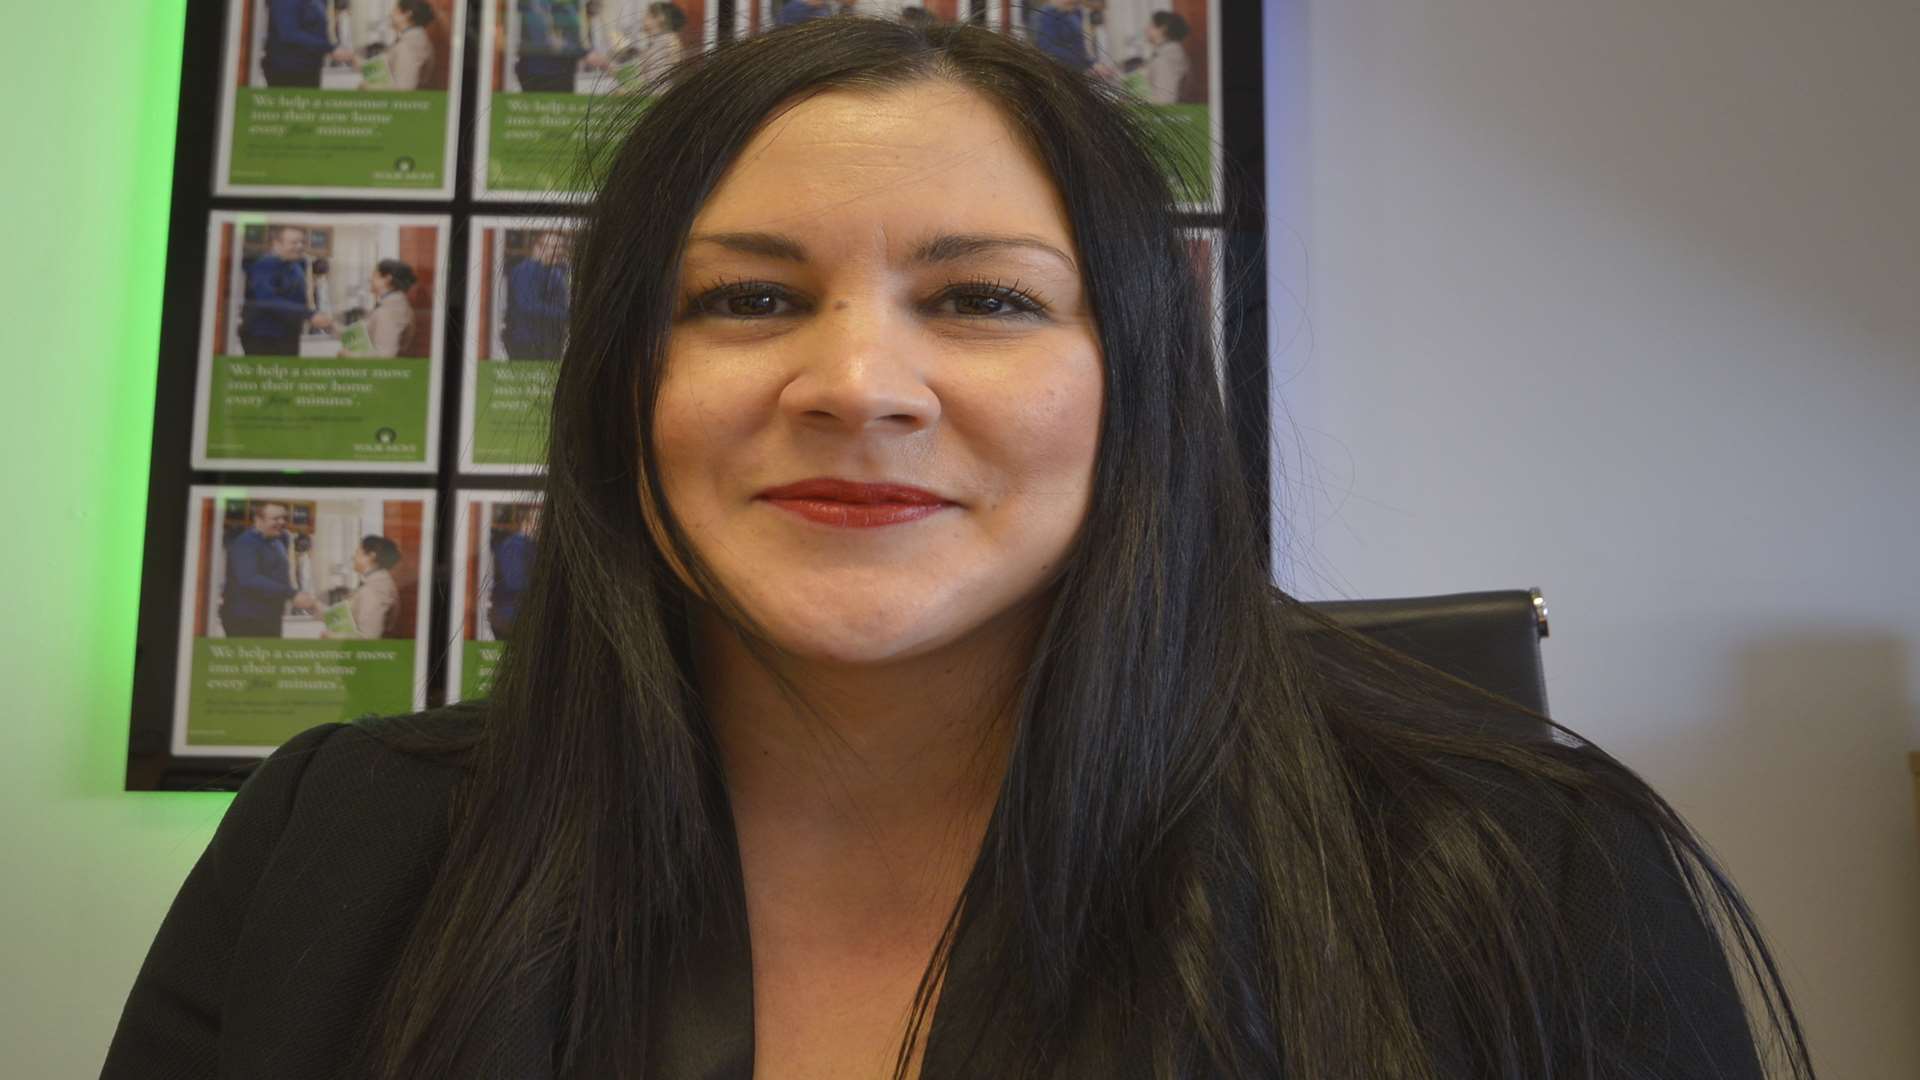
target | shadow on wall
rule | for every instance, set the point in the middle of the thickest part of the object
(1816, 750)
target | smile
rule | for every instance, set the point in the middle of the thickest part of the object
(854, 505)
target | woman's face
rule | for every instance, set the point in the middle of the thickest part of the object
(362, 562)
(882, 294)
(382, 284)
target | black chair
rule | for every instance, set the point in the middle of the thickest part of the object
(1490, 639)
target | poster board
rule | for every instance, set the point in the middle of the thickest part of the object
(321, 342)
(557, 80)
(351, 98)
(445, 188)
(519, 284)
(495, 533)
(299, 606)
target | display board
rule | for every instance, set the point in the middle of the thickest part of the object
(366, 300)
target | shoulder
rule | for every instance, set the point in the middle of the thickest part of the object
(351, 823)
(1594, 864)
(1570, 818)
(284, 931)
(367, 786)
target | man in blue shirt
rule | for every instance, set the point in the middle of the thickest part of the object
(512, 571)
(298, 43)
(552, 41)
(275, 307)
(1059, 30)
(258, 585)
(536, 309)
(794, 12)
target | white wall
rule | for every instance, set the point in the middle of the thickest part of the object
(1622, 300)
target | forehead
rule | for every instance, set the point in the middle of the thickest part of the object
(892, 165)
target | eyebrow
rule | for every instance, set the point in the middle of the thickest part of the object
(945, 247)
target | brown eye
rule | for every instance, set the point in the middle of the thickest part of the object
(991, 300)
(743, 300)
(979, 305)
(760, 302)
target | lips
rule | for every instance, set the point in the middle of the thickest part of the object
(855, 505)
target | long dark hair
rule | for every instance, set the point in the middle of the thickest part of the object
(1233, 839)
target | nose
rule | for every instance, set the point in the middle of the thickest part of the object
(860, 372)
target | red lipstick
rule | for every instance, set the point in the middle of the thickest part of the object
(854, 505)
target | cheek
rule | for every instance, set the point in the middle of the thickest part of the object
(1042, 439)
(703, 425)
(1053, 433)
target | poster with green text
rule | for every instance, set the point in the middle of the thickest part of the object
(299, 606)
(321, 342)
(519, 283)
(353, 98)
(557, 79)
(495, 535)
(1165, 54)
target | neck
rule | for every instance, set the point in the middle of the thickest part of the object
(880, 776)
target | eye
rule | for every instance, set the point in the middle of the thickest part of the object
(741, 300)
(991, 300)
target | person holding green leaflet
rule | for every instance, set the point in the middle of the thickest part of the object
(390, 323)
(410, 58)
(377, 598)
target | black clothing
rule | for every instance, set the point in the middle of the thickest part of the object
(274, 956)
(536, 79)
(264, 345)
(251, 626)
(293, 76)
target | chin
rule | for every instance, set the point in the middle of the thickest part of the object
(869, 632)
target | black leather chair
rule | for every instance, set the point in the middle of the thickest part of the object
(1490, 639)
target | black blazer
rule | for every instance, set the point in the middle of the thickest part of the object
(274, 955)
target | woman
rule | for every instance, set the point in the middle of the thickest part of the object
(390, 323)
(637, 50)
(900, 690)
(659, 47)
(377, 598)
(1167, 62)
(410, 58)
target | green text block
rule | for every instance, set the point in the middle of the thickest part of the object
(292, 409)
(262, 691)
(339, 138)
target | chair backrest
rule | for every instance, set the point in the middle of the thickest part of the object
(1490, 639)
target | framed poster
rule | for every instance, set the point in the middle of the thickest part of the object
(321, 342)
(557, 76)
(1164, 53)
(353, 401)
(519, 283)
(357, 98)
(755, 16)
(495, 534)
(298, 606)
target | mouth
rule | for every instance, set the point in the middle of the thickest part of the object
(852, 504)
